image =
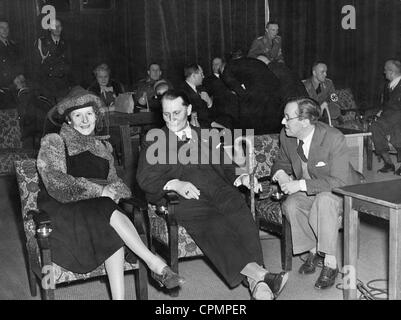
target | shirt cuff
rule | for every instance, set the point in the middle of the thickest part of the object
(237, 181)
(274, 179)
(168, 184)
(302, 185)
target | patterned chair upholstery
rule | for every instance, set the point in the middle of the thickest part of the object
(267, 211)
(10, 142)
(39, 257)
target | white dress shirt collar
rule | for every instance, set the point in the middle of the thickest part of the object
(307, 142)
(192, 86)
(394, 83)
(187, 131)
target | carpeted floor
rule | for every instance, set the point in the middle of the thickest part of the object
(202, 282)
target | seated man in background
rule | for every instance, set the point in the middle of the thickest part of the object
(105, 87)
(225, 102)
(202, 115)
(319, 87)
(268, 45)
(211, 208)
(313, 160)
(389, 118)
(145, 88)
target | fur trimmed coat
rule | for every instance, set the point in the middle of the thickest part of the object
(52, 166)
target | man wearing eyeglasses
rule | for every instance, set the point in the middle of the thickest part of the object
(313, 160)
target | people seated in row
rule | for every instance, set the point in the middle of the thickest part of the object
(104, 87)
(313, 160)
(211, 208)
(53, 63)
(80, 191)
(269, 44)
(389, 118)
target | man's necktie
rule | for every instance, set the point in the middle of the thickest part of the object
(300, 151)
(319, 89)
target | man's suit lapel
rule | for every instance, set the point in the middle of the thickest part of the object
(316, 142)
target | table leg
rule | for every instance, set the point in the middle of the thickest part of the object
(350, 249)
(394, 283)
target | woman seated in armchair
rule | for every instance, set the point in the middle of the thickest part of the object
(80, 191)
(105, 87)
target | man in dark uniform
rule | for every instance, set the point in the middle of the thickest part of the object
(10, 66)
(52, 55)
(145, 88)
(211, 208)
(257, 89)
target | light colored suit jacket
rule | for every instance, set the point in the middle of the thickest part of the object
(328, 161)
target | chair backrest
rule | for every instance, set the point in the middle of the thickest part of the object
(10, 130)
(325, 115)
(28, 184)
(266, 148)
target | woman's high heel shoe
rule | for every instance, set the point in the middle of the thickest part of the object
(168, 278)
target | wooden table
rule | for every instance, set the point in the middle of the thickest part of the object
(356, 140)
(383, 200)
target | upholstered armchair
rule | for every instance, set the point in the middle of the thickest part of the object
(11, 148)
(37, 228)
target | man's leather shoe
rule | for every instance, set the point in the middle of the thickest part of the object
(387, 168)
(309, 266)
(276, 282)
(327, 278)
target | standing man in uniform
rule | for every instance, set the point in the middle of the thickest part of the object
(268, 45)
(53, 61)
(10, 66)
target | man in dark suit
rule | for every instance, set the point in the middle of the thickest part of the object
(290, 84)
(225, 102)
(257, 89)
(10, 66)
(389, 121)
(313, 160)
(211, 208)
(202, 114)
